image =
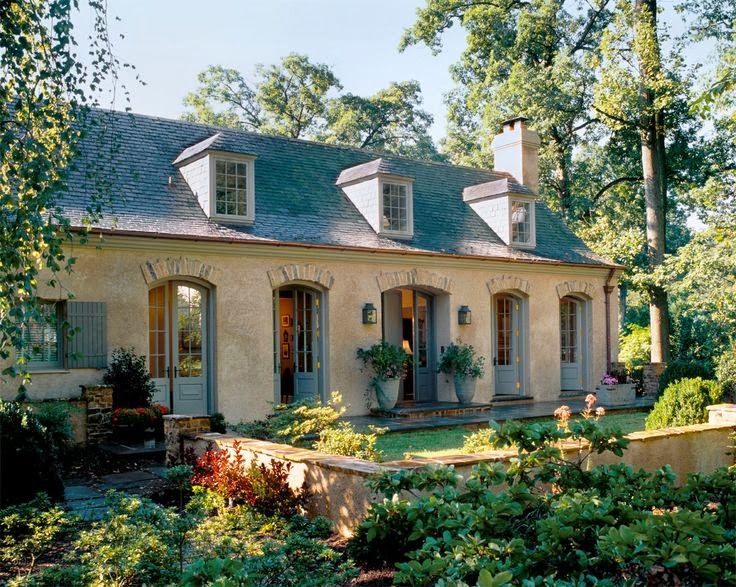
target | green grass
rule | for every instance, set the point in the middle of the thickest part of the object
(447, 441)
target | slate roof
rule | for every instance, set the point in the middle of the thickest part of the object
(297, 200)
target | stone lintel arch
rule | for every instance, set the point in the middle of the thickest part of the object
(506, 283)
(415, 278)
(575, 287)
(306, 272)
(170, 268)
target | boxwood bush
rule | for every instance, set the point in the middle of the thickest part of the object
(684, 402)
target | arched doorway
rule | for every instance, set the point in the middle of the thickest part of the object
(179, 350)
(509, 344)
(408, 321)
(298, 344)
(573, 344)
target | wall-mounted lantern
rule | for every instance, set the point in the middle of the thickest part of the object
(370, 314)
(464, 315)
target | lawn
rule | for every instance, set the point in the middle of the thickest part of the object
(446, 441)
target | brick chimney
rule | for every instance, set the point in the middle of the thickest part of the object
(516, 151)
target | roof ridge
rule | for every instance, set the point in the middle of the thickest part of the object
(378, 154)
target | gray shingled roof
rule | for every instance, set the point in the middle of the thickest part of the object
(297, 199)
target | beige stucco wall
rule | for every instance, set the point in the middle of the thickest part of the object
(242, 290)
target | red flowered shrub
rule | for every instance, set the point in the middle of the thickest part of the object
(264, 488)
(132, 423)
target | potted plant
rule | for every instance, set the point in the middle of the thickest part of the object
(615, 389)
(388, 362)
(465, 365)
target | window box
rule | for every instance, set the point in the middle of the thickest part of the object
(615, 395)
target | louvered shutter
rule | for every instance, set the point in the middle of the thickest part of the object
(87, 348)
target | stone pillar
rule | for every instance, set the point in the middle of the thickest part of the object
(176, 428)
(99, 412)
(652, 373)
(722, 414)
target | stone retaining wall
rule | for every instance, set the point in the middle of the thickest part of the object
(98, 400)
(338, 484)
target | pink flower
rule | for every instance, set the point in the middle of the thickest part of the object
(563, 413)
(712, 505)
(590, 400)
(600, 412)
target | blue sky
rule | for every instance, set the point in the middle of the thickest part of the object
(170, 41)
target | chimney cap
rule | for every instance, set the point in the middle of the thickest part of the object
(512, 121)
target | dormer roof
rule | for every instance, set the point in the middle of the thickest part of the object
(380, 166)
(492, 189)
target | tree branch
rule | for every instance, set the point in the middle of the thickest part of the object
(614, 183)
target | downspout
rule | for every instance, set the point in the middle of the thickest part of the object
(607, 290)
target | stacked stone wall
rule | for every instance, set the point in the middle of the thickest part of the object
(99, 412)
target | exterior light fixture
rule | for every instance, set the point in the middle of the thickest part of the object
(370, 314)
(464, 315)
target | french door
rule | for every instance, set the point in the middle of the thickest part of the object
(178, 344)
(571, 356)
(507, 365)
(407, 322)
(297, 344)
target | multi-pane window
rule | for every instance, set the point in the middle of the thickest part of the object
(41, 340)
(504, 331)
(521, 222)
(395, 207)
(231, 188)
(568, 330)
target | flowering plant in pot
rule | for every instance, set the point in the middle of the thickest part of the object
(388, 363)
(465, 365)
(615, 388)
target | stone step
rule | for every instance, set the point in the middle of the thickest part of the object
(432, 409)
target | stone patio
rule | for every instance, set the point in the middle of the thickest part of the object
(520, 411)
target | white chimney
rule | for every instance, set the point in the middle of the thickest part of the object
(516, 151)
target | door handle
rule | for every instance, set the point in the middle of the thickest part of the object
(495, 361)
(168, 372)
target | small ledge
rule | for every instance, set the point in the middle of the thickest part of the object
(50, 371)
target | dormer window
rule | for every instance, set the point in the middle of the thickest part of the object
(223, 182)
(521, 222)
(233, 199)
(396, 207)
(383, 195)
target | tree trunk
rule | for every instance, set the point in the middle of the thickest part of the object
(561, 172)
(653, 168)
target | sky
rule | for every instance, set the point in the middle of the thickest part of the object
(170, 41)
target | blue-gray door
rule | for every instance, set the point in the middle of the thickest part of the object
(507, 345)
(178, 347)
(571, 355)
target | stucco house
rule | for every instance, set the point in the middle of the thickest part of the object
(241, 264)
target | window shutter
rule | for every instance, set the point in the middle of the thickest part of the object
(87, 348)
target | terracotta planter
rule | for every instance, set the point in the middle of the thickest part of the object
(387, 393)
(465, 388)
(615, 395)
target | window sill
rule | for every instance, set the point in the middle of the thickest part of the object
(47, 371)
(241, 220)
(397, 235)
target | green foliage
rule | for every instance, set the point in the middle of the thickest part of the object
(683, 403)
(388, 361)
(634, 347)
(217, 423)
(683, 369)
(551, 521)
(462, 360)
(132, 386)
(29, 450)
(391, 120)
(726, 371)
(179, 480)
(29, 531)
(45, 92)
(478, 441)
(344, 440)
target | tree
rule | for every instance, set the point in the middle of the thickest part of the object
(637, 92)
(45, 93)
(391, 120)
(531, 58)
(289, 99)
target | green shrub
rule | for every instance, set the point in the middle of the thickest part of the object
(549, 519)
(217, 423)
(684, 402)
(29, 531)
(726, 372)
(55, 416)
(344, 440)
(128, 373)
(478, 441)
(635, 347)
(679, 369)
(29, 451)
(461, 360)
